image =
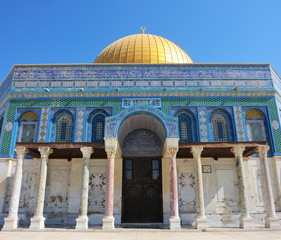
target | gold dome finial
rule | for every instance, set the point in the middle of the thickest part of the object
(143, 29)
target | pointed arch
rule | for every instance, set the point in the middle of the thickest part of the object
(63, 121)
(96, 125)
(28, 126)
(187, 125)
(221, 126)
(256, 125)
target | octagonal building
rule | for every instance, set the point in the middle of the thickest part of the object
(142, 137)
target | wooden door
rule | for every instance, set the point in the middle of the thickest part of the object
(142, 191)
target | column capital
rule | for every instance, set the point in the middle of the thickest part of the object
(45, 151)
(172, 151)
(111, 152)
(196, 151)
(21, 151)
(262, 150)
(86, 151)
(238, 150)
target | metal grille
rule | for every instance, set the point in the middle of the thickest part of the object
(63, 130)
(98, 128)
(183, 130)
(220, 128)
(185, 127)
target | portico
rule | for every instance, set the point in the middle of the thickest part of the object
(87, 151)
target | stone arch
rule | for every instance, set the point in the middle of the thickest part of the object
(164, 126)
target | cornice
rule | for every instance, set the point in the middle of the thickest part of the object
(110, 94)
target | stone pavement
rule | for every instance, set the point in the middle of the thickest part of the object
(140, 234)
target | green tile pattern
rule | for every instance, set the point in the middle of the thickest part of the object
(115, 103)
(166, 103)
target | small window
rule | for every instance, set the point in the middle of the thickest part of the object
(129, 169)
(28, 125)
(63, 129)
(155, 169)
(220, 129)
(185, 128)
(255, 125)
(98, 128)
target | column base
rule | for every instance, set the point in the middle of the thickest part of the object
(201, 223)
(81, 223)
(10, 223)
(37, 223)
(175, 223)
(108, 223)
(272, 222)
(246, 223)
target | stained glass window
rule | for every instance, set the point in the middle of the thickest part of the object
(220, 129)
(63, 129)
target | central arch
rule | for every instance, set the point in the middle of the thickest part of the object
(141, 137)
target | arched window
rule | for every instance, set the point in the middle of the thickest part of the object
(185, 128)
(98, 128)
(63, 129)
(255, 125)
(28, 126)
(220, 128)
(187, 125)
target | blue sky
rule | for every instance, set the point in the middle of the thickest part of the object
(68, 31)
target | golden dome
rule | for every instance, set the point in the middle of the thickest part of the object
(143, 48)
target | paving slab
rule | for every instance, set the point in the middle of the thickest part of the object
(144, 234)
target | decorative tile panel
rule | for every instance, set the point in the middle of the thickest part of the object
(187, 197)
(203, 124)
(79, 124)
(239, 124)
(171, 123)
(128, 102)
(43, 124)
(96, 201)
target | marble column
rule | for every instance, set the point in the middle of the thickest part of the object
(201, 220)
(271, 220)
(11, 222)
(82, 220)
(245, 220)
(108, 220)
(174, 196)
(37, 222)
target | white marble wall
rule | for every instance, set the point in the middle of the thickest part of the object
(63, 190)
(221, 192)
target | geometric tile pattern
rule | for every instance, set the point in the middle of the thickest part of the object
(239, 123)
(166, 103)
(203, 124)
(96, 200)
(187, 200)
(44, 124)
(80, 124)
(13, 104)
(103, 77)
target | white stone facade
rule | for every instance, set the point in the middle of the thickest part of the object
(62, 196)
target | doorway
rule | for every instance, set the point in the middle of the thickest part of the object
(142, 190)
